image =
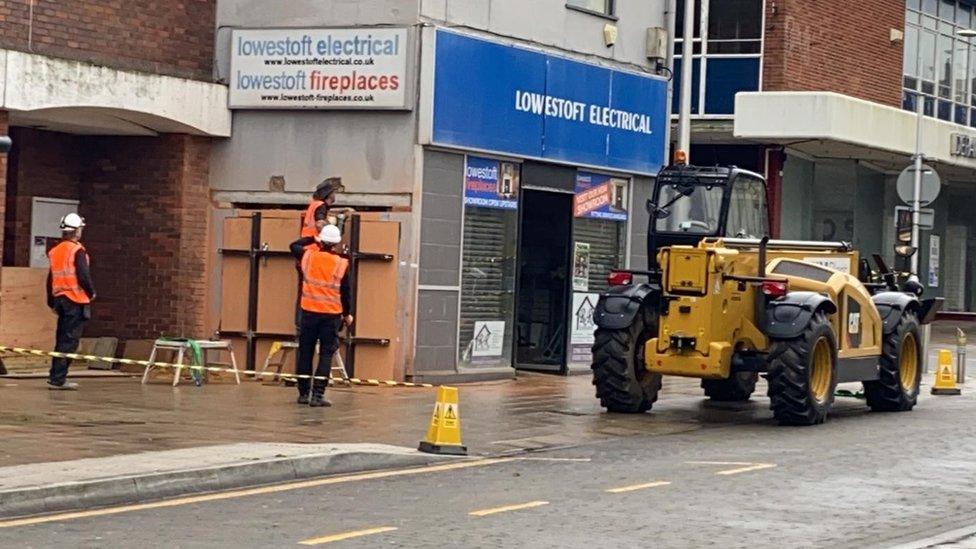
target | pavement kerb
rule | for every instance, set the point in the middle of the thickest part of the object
(73, 496)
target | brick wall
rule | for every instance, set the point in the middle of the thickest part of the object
(829, 45)
(42, 163)
(146, 204)
(173, 37)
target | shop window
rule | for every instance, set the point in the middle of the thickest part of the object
(747, 209)
(734, 26)
(604, 7)
(491, 191)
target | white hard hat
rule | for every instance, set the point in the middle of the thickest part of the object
(330, 234)
(72, 222)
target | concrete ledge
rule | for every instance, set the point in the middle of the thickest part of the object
(158, 475)
(446, 377)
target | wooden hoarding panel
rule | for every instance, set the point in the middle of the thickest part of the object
(233, 293)
(277, 294)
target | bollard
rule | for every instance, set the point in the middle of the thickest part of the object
(926, 339)
(960, 356)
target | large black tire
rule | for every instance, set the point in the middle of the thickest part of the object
(792, 375)
(738, 387)
(623, 384)
(894, 392)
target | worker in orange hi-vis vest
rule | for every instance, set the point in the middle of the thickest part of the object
(69, 294)
(317, 213)
(325, 306)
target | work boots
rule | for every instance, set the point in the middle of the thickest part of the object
(318, 395)
(303, 398)
(318, 401)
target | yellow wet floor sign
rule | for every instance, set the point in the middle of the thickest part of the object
(444, 433)
(945, 376)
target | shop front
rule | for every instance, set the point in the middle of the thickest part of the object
(839, 161)
(536, 168)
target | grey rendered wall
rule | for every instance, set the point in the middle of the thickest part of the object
(797, 204)
(643, 187)
(551, 23)
(373, 152)
(440, 261)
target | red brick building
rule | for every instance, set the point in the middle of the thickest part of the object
(112, 108)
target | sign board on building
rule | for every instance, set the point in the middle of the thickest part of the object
(582, 327)
(497, 97)
(488, 339)
(963, 145)
(489, 183)
(935, 252)
(358, 68)
(600, 197)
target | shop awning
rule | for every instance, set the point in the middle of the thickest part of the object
(830, 125)
(82, 98)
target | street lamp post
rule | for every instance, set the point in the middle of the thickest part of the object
(687, 54)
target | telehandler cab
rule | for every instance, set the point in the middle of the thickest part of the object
(723, 303)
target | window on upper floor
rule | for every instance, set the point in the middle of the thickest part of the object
(604, 7)
(939, 64)
(727, 44)
(735, 26)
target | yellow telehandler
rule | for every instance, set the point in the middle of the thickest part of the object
(724, 303)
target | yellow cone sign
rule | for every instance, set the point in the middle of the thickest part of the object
(444, 433)
(945, 376)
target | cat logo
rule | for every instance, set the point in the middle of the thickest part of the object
(854, 323)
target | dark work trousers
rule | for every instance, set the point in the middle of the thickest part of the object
(71, 320)
(322, 329)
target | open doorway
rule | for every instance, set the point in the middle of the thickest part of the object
(542, 292)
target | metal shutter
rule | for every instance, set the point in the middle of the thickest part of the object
(607, 248)
(487, 270)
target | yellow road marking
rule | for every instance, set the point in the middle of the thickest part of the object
(745, 466)
(251, 492)
(507, 508)
(753, 467)
(581, 460)
(634, 487)
(347, 535)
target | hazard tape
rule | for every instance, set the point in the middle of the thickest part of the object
(133, 362)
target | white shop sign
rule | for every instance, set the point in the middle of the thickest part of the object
(358, 68)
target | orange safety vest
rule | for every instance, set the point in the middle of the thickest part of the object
(64, 278)
(308, 222)
(322, 274)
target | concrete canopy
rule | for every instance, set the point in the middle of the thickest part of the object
(833, 126)
(81, 98)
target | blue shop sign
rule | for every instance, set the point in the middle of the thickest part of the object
(495, 97)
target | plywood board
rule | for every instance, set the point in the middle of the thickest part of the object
(277, 295)
(99, 346)
(376, 290)
(375, 362)
(25, 319)
(278, 233)
(237, 234)
(234, 282)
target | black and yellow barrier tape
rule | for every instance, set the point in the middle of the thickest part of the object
(154, 364)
